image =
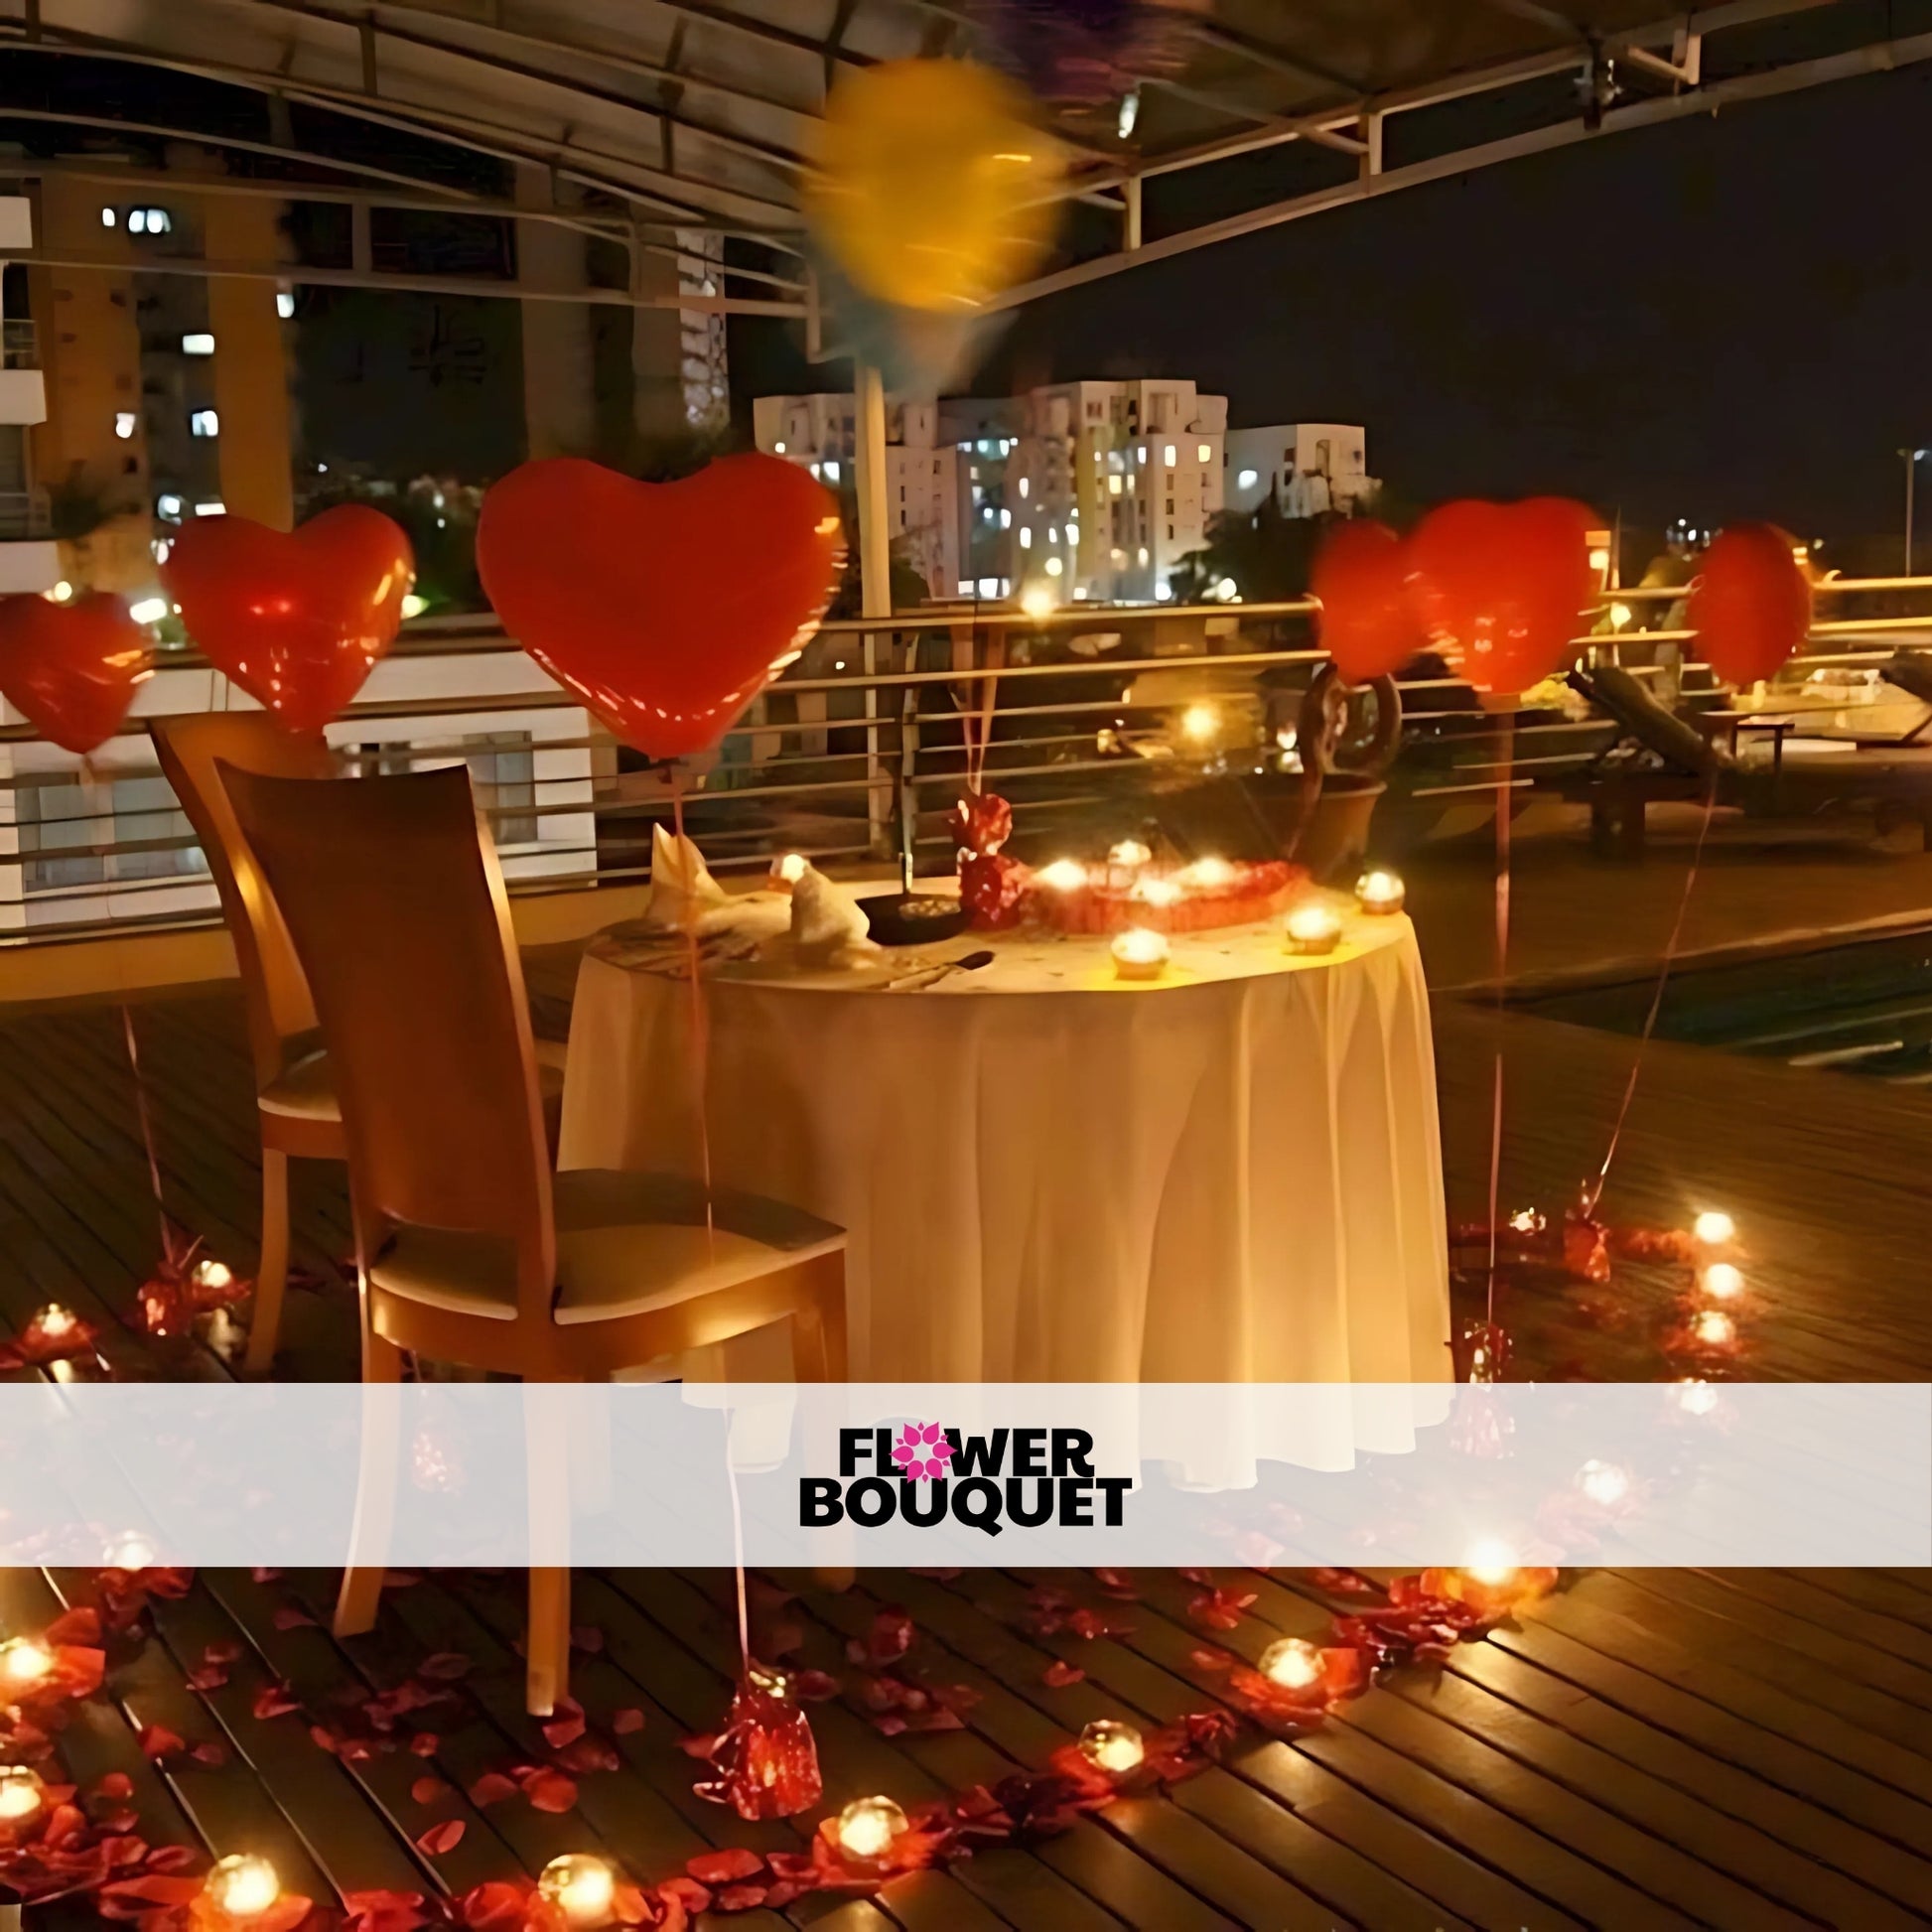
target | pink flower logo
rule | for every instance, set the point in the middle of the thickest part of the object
(922, 1452)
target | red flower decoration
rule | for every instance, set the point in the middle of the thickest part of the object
(765, 1759)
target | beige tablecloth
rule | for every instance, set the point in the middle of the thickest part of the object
(1234, 1174)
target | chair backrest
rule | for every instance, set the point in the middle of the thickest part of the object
(274, 991)
(1652, 724)
(396, 905)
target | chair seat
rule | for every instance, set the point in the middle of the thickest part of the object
(627, 1244)
(306, 1089)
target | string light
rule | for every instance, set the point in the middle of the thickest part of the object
(1109, 1745)
(1293, 1663)
(1139, 954)
(1603, 1483)
(24, 1661)
(583, 1889)
(1490, 1562)
(1714, 1228)
(242, 1886)
(20, 1793)
(869, 1826)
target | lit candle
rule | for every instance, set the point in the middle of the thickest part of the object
(242, 1886)
(1139, 954)
(1602, 1482)
(1201, 722)
(1064, 875)
(1129, 853)
(56, 1322)
(1714, 1228)
(129, 1554)
(788, 870)
(1112, 1746)
(1379, 892)
(20, 1792)
(24, 1661)
(1292, 1663)
(1157, 891)
(1723, 1280)
(583, 1889)
(1697, 1397)
(1490, 1563)
(1715, 1328)
(1312, 928)
(1209, 875)
(868, 1828)
(213, 1274)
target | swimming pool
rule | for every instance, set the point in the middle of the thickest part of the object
(1863, 1007)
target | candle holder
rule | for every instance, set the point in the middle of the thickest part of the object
(1112, 1746)
(1292, 1663)
(24, 1662)
(1380, 892)
(241, 1887)
(583, 1889)
(1139, 954)
(869, 1828)
(21, 1793)
(1313, 929)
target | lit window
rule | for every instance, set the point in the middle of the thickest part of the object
(216, 508)
(124, 424)
(137, 220)
(1023, 485)
(167, 505)
(204, 422)
(285, 303)
(777, 449)
(1025, 539)
(966, 589)
(1143, 555)
(1163, 592)
(831, 469)
(1113, 485)
(1208, 452)
(989, 587)
(150, 609)
(198, 345)
(1168, 456)
(1052, 533)
(1248, 478)
(107, 217)
(1006, 519)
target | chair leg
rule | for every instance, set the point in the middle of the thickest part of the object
(547, 1663)
(375, 1485)
(272, 1276)
(818, 1324)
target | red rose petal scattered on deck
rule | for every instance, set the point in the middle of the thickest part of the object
(275, 1700)
(158, 1741)
(425, 1791)
(211, 1754)
(625, 1722)
(564, 1730)
(439, 1838)
(292, 1616)
(723, 1868)
(1059, 1675)
(445, 1667)
(211, 1677)
(425, 1743)
(550, 1791)
(492, 1789)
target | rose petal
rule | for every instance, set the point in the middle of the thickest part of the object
(625, 1722)
(443, 1835)
(445, 1667)
(1059, 1675)
(425, 1791)
(723, 1868)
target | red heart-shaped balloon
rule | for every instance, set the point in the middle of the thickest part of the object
(664, 606)
(1751, 602)
(1501, 588)
(300, 619)
(1369, 624)
(72, 670)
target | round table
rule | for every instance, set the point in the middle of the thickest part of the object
(1233, 1174)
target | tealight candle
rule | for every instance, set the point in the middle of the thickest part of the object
(213, 1274)
(1714, 1228)
(1210, 874)
(788, 869)
(1379, 892)
(1293, 1663)
(129, 1554)
(1697, 1397)
(1112, 1746)
(868, 1828)
(20, 1792)
(1490, 1563)
(56, 1322)
(1064, 875)
(1139, 954)
(583, 1889)
(1715, 1328)
(1129, 852)
(242, 1886)
(1722, 1280)
(1157, 891)
(24, 1661)
(1312, 928)
(1602, 1482)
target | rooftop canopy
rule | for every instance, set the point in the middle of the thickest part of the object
(700, 114)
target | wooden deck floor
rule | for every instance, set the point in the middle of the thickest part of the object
(1655, 1750)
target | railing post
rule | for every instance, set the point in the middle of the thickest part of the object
(875, 584)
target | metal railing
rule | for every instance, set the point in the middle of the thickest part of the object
(23, 515)
(20, 343)
(850, 765)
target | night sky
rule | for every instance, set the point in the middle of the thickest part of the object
(1719, 318)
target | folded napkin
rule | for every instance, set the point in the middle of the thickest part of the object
(827, 927)
(684, 897)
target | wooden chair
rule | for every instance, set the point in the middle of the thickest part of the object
(471, 1251)
(295, 1092)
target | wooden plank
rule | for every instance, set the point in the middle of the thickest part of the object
(1886, 1592)
(1797, 1596)
(1878, 1855)
(1802, 1855)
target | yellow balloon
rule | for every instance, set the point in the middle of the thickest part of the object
(934, 190)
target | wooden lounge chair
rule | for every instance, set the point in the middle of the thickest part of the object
(1909, 671)
(469, 1250)
(295, 1088)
